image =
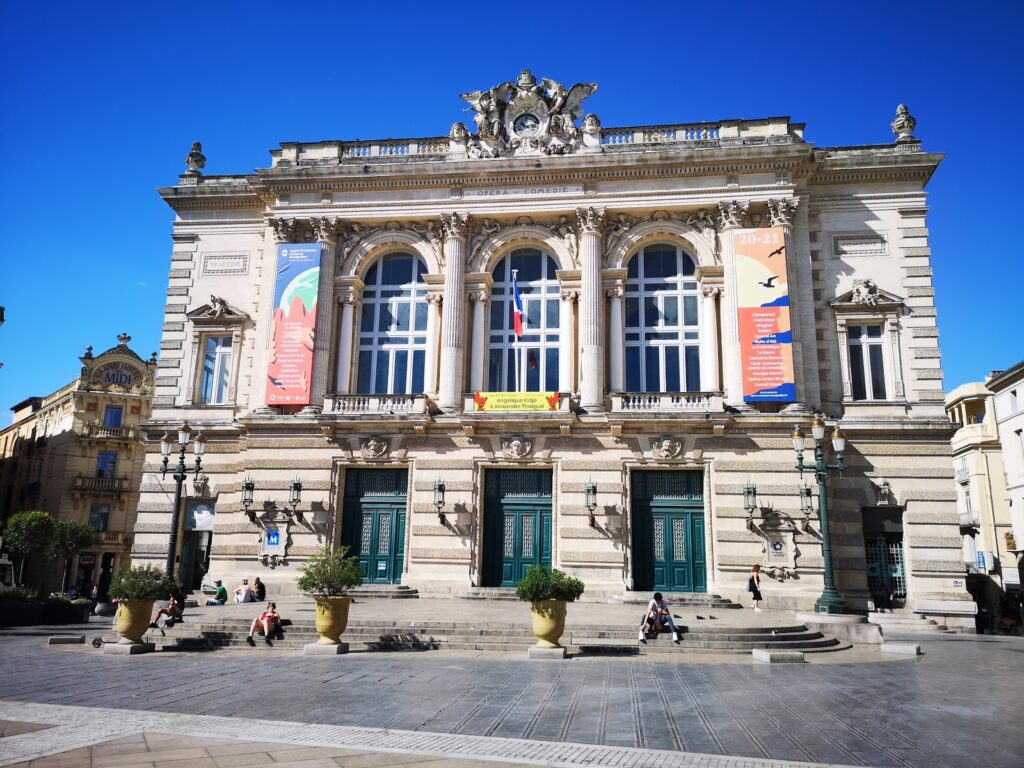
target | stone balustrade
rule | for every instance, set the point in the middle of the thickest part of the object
(358, 405)
(666, 402)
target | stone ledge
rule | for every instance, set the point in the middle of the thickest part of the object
(324, 649)
(128, 649)
(769, 656)
(66, 640)
(546, 653)
(909, 649)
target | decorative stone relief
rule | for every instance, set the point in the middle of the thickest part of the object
(700, 221)
(373, 447)
(780, 212)
(666, 448)
(732, 214)
(904, 124)
(526, 118)
(454, 225)
(591, 220)
(516, 447)
(864, 292)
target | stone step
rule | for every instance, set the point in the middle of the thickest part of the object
(678, 599)
(385, 591)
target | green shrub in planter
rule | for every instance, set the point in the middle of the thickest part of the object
(19, 595)
(330, 573)
(58, 597)
(543, 583)
(143, 582)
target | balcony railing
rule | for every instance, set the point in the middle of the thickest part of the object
(101, 432)
(698, 134)
(376, 405)
(109, 537)
(101, 484)
(666, 402)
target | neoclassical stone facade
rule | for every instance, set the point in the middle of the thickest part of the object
(622, 244)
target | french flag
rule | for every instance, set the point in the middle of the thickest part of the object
(518, 317)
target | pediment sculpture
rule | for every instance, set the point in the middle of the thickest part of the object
(525, 117)
(374, 447)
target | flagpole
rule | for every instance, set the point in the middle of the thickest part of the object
(515, 340)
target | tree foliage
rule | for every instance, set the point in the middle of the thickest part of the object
(69, 538)
(143, 582)
(330, 573)
(28, 532)
(543, 583)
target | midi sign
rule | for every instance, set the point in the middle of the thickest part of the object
(290, 360)
(766, 333)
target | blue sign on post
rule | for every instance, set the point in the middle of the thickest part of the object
(981, 562)
(273, 538)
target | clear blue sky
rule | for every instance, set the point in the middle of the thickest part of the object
(100, 102)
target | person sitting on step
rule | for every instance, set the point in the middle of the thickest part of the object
(267, 623)
(171, 610)
(655, 617)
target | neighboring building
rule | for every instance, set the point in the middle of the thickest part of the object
(982, 500)
(76, 454)
(658, 267)
(1008, 392)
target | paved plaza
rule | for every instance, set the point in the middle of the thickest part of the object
(957, 705)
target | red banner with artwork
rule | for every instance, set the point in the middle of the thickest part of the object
(292, 332)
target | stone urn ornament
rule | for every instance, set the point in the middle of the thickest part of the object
(327, 577)
(548, 591)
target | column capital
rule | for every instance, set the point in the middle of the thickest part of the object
(348, 296)
(710, 291)
(478, 297)
(455, 225)
(570, 295)
(591, 220)
(732, 214)
(435, 298)
(325, 229)
(285, 230)
(615, 292)
(781, 211)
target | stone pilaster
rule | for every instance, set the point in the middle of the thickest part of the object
(479, 300)
(324, 231)
(591, 230)
(731, 216)
(616, 335)
(709, 379)
(349, 301)
(567, 341)
(455, 229)
(430, 366)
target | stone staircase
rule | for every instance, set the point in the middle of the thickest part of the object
(382, 635)
(905, 622)
(679, 600)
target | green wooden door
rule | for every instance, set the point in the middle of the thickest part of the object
(373, 522)
(668, 531)
(517, 524)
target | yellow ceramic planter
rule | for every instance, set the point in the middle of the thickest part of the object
(331, 618)
(548, 622)
(132, 620)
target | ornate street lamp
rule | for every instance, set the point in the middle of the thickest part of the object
(830, 601)
(590, 499)
(248, 489)
(439, 500)
(180, 475)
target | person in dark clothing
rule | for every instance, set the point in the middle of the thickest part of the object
(259, 590)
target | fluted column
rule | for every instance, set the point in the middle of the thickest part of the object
(566, 342)
(430, 367)
(709, 380)
(349, 301)
(616, 337)
(455, 229)
(591, 227)
(732, 216)
(476, 369)
(324, 231)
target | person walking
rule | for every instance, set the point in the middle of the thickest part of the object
(754, 587)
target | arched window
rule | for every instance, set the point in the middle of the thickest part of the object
(662, 324)
(537, 350)
(393, 327)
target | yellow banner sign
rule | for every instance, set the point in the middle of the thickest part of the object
(515, 401)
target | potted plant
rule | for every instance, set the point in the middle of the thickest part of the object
(327, 577)
(19, 608)
(547, 591)
(135, 590)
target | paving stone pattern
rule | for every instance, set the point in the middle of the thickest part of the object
(956, 706)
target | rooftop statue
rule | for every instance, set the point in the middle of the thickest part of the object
(524, 117)
(195, 159)
(904, 124)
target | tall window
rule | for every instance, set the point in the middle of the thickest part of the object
(393, 327)
(867, 370)
(106, 465)
(662, 321)
(216, 371)
(112, 416)
(99, 517)
(535, 355)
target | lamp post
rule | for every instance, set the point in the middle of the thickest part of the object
(180, 475)
(830, 601)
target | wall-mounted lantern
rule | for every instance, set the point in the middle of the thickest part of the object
(806, 506)
(248, 490)
(439, 500)
(590, 499)
(295, 496)
(750, 503)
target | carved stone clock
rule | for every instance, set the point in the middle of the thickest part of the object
(526, 125)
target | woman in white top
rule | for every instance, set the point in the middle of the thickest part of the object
(244, 593)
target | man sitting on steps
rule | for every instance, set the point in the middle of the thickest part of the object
(657, 615)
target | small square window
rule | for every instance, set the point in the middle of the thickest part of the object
(112, 416)
(106, 465)
(99, 517)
